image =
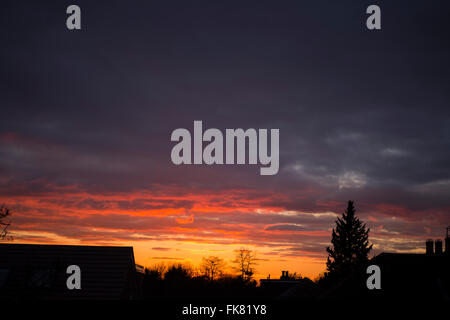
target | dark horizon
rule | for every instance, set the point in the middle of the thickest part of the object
(87, 118)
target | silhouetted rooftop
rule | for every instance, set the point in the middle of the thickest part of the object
(39, 272)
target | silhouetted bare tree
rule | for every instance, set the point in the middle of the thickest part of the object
(178, 272)
(156, 271)
(245, 262)
(212, 267)
(5, 212)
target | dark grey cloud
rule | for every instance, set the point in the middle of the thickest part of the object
(362, 115)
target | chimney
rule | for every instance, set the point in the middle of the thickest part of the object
(429, 246)
(438, 246)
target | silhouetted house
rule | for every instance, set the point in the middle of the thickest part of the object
(423, 276)
(288, 287)
(405, 276)
(40, 272)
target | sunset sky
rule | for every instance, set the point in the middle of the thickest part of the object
(86, 119)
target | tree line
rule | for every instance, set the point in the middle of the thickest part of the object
(211, 268)
(209, 279)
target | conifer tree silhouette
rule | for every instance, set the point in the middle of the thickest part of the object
(350, 240)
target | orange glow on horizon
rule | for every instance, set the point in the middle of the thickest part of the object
(175, 226)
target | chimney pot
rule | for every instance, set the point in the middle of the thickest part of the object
(438, 247)
(429, 246)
